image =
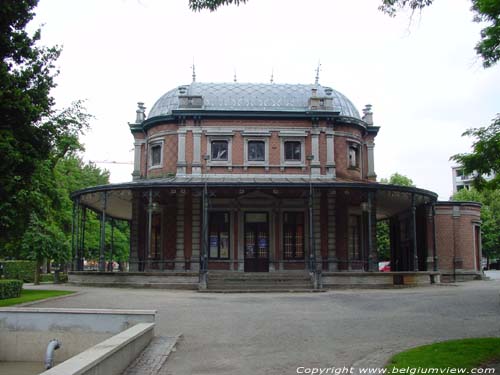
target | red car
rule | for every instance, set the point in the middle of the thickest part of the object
(384, 266)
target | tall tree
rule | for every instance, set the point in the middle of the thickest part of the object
(485, 157)
(26, 78)
(484, 11)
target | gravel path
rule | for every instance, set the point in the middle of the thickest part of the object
(277, 332)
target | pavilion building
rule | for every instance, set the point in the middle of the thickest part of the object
(236, 178)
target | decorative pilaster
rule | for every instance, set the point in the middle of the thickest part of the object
(315, 165)
(136, 174)
(370, 146)
(181, 151)
(330, 154)
(196, 167)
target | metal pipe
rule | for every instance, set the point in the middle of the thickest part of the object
(414, 233)
(53, 345)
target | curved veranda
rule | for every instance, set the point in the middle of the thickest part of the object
(246, 225)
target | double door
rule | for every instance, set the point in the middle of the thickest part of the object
(256, 242)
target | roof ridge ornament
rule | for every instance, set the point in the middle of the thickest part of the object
(234, 78)
(316, 79)
(272, 75)
(194, 73)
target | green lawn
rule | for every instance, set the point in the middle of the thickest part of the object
(28, 295)
(466, 353)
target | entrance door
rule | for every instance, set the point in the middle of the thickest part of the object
(256, 242)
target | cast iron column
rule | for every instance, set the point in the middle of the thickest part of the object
(150, 225)
(434, 252)
(74, 235)
(102, 260)
(81, 252)
(414, 233)
(204, 241)
(372, 260)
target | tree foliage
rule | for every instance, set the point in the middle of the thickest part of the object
(383, 233)
(485, 157)
(26, 78)
(212, 5)
(490, 218)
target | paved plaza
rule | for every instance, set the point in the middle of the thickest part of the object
(275, 333)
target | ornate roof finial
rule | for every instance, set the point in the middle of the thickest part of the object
(316, 80)
(234, 78)
(272, 75)
(194, 73)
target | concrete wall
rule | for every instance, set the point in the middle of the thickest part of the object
(25, 332)
(170, 280)
(110, 357)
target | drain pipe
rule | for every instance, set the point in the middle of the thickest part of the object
(49, 354)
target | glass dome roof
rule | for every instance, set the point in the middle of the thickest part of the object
(252, 97)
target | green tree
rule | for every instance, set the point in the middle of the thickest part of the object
(383, 233)
(484, 11)
(485, 157)
(26, 78)
(490, 218)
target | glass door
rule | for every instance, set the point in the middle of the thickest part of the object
(256, 242)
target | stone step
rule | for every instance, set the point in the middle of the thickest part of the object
(267, 290)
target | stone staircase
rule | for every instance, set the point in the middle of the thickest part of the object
(238, 282)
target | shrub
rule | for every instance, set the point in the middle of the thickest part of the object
(20, 270)
(10, 288)
(49, 278)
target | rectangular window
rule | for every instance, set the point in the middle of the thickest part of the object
(218, 235)
(354, 232)
(256, 151)
(293, 235)
(219, 150)
(353, 156)
(293, 151)
(155, 155)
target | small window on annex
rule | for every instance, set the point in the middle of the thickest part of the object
(256, 151)
(293, 151)
(219, 150)
(156, 155)
(353, 155)
(293, 235)
(218, 235)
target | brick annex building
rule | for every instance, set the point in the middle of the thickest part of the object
(243, 183)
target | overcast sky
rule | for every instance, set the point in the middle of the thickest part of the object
(421, 75)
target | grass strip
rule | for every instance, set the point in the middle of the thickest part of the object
(465, 353)
(29, 295)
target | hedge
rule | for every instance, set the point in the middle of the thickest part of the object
(10, 288)
(19, 269)
(49, 278)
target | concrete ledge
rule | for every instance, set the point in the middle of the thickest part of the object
(25, 332)
(448, 276)
(157, 280)
(111, 356)
(378, 279)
